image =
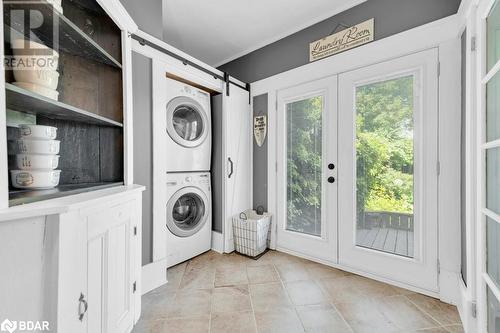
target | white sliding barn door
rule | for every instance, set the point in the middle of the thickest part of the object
(237, 139)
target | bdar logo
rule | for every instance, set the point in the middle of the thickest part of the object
(8, 326)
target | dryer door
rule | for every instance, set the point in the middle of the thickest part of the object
(187, 122)
(187, 211)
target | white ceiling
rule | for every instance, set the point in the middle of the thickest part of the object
(218, 31)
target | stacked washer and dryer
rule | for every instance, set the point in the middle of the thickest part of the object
(189, 147)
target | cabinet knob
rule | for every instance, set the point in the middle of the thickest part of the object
(82, 307)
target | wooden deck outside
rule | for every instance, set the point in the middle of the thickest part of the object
(391, 240)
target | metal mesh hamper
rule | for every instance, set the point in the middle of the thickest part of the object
(250, 232)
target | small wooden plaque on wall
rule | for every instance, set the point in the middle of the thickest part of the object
(344, 40)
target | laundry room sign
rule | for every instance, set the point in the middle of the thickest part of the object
(260, 129)
(344, 40)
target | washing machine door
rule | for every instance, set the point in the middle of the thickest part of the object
(187, 211)
(187, 123)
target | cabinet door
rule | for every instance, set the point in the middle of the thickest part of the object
(238, 141)
(109, 269)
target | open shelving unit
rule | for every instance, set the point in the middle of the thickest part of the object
(89, 112)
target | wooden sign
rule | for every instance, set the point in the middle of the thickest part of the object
(260, 129)
(344, 40)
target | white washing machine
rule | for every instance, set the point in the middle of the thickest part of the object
(189, 216)
(189, 128)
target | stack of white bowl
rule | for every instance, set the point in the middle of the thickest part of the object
(35, 72)
(37, 158)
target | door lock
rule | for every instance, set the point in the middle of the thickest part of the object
(331, 180)
(331, 166)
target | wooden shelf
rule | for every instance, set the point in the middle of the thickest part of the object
(20, 197)
(19, 99)
(71, 39)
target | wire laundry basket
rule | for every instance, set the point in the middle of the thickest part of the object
(250, 232)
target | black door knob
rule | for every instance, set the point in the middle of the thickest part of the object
(331, 179)
(331, 166)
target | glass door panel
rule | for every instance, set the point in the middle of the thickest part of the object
(384, 164)
(387, 169)
(304, 162)
(306, 150)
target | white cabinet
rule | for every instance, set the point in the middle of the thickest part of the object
(99, 266)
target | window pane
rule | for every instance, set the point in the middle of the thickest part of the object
(493, 179)
(384, 148)
(493, 108)
(304, 121)
(493, 35)
(493, 250)
(493, 313)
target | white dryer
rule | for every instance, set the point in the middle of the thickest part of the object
(189, 216)
(189, 139)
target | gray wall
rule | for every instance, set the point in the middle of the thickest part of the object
(260, 158)
(143, 146)
(391, 17)
(147, 14)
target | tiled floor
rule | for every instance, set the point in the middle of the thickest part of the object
(281, 293)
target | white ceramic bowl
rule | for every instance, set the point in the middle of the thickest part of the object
(42, 77)
(49, 93)
(36, 162)
(27, 55)
(44, 147)
(37, 132)
(35, 179)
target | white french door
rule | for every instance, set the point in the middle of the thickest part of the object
(388, 169)
(357, 170)
(307, 188)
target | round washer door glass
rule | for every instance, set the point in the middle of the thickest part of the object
(187, 213)
(186, 122)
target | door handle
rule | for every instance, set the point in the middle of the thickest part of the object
(82, 307)
(232, 167)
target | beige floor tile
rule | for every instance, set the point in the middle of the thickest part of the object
(322, 318)
(198, 324)
(353, 288)
(198, 278)
(231, 299)
(292, 272)
(233, 322)
(231, 276)
(445, 314)
(146, 326)
(402, 312)
(278, 320)
(262, 274)
(280, 258)
(318, 271)
(363, 316)
(190, 303)
(265, 259)
(432, 330)
(305, 293)
(155, 305)
(454, 329)
(268, 296)
(205, 260)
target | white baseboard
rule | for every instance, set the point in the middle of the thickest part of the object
(449, 291)
(464, 307)
(154, 275)
(217, 242)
